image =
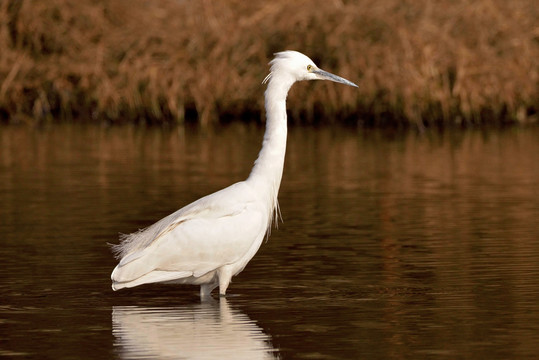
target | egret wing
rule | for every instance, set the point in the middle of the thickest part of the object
(204, 244)
(219, 230)
(220, 203)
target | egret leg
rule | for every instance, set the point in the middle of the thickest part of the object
(206, 289)
(225, 275)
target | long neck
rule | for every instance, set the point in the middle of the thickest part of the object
(268, 169)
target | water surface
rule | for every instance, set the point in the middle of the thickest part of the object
(393, 245)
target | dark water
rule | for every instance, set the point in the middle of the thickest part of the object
(393, 245)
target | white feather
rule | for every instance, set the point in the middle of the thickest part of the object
(213, 239)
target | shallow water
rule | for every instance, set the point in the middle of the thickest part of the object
(393, 245)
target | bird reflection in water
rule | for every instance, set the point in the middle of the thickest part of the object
(209, 330)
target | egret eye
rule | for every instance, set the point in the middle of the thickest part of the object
(309, 67)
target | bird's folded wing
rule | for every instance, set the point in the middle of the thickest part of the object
(222, 203)
(199, 244)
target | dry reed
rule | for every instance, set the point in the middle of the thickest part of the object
(423, 62)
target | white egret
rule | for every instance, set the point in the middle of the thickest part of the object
(212, 239)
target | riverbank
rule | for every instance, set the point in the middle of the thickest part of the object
(416, 62)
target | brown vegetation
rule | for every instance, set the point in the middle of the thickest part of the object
(424, 61)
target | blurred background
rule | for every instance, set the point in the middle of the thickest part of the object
(417, 62)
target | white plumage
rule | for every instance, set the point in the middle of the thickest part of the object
(212, 239)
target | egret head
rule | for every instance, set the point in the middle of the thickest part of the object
(295, 66)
